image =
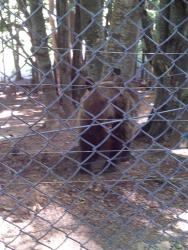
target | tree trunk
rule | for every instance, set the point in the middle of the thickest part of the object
(108, 17)
(57, 69)
(77, 56)
(150, 47)
(64, 61)
(15, 47)
(22, 5)
(40, 50)
(170, 66)
(17, 59)
(93, 34)
(3, 58)
(123, 38)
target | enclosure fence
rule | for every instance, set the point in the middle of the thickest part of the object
(94, 124)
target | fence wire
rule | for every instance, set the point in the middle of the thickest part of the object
(94, 125)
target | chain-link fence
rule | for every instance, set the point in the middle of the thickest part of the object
(94, 124)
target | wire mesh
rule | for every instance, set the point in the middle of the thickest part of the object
(94, 124)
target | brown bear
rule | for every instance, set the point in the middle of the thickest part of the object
(104, 125)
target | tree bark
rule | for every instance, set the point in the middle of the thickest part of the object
(93, 34)
(123, 38)
(15, 48)
(22, 5)
(64, 61)
(57, 69)
(40, 51)
(170, 68)
(77, 56)
(17, 58)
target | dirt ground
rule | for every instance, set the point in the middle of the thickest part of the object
(46, 204)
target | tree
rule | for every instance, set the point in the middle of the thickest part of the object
(10, 24)
(170, 63)
(77, 59)
(22, 6)
(63, 67)
(93, 34)
(123, 37)
(40, 51)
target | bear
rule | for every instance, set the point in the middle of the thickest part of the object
(105, 129)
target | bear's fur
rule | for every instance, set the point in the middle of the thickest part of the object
(104, 128)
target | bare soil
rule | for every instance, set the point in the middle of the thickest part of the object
(46, 204)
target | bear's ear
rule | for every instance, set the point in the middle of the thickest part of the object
(89, 83)
(116, 71)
